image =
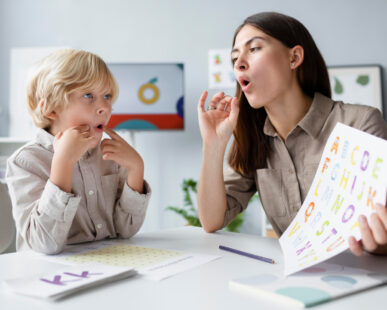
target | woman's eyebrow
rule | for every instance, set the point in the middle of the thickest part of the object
(249, 42)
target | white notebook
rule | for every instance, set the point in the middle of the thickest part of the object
(309, 287)
(66, 281)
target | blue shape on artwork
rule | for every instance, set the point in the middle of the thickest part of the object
(339, 281)
(153, 81)
(180, 107)
(307, 295)
(181, 66)
(136, 124)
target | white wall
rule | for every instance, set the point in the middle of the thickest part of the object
(347, 32)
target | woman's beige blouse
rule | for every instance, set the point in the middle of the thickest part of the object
(291, 167)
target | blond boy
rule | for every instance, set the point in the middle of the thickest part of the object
(66, 186)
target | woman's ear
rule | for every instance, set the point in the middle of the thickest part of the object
(296, 56)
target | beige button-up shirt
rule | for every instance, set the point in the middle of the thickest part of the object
(100, 206)
(283, 185)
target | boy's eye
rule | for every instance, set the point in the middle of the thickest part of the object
(88, 96)
(253, 49)
(233, 60)
(107, 97)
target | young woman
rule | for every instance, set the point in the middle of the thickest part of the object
(281, 118)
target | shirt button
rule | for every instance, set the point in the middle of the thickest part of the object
(99, 226)
(91, 192)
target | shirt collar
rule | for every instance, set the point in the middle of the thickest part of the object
(46, 140)
(312, 122)
(315, 118)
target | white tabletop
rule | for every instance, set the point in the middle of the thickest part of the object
(204, 287)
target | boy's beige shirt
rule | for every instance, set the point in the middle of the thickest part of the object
(100, 206)
(282, 186)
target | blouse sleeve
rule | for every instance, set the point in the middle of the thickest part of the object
(239, 190)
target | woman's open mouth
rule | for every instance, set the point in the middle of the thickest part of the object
(244, 84)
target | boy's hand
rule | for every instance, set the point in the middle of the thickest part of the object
(71, 144)
(122, 153)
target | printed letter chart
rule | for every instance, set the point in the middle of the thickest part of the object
(152, 263)
(351, 178)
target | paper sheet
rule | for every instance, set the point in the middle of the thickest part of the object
(66, 281)
(153, 263)
(351, 178)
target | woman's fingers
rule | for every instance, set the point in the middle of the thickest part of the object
(234, 112)
(367, 236)
(378, 230)
(215, 99)
(202, 102)
(381, 211)
(356, 247)
(224, 103)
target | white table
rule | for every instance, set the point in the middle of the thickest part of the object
(204, 287)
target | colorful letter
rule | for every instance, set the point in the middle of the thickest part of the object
(335, 171)
(345, 178)
(370, 198)
(335, 244)
(352, 160)
(335, 145)
(309, 211)
(294, 229)
(377, 167)
(307, 245)
(366, 156)
(318, 185)
(359, 197)
(325, 166)
(353, 183)
(346, 218)
(326, 223)
(345, 149)
(333, 232)
(337, 204)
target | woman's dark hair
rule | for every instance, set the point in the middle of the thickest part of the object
(251, 146)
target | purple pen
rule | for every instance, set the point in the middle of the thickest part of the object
(261, 258)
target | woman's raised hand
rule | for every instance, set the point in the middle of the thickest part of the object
(219, 121)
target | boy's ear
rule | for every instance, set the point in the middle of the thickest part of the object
(52, 115)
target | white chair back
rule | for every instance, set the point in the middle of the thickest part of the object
(7, 225)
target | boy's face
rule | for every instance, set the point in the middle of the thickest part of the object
(92, 108)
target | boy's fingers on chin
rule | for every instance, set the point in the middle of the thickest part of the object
(82, 128)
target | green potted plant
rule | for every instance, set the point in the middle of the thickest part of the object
(190, 213)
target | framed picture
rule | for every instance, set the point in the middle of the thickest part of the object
(360, 84)
(151, 96)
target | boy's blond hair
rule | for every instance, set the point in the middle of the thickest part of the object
(61, 73)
